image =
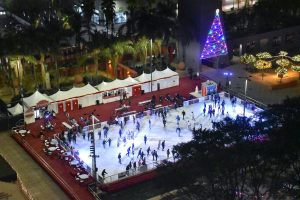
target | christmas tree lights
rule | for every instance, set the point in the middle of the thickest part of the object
(215, 44)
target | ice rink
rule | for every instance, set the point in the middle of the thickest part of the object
(108, 156)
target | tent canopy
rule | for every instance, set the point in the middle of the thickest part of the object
(35, 98)
(156, 75)
(16, 110)
(74, 92)
(117, 83)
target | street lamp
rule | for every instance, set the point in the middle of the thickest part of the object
(247, 78)
(228, 74)
(93, 149)
(151, 67)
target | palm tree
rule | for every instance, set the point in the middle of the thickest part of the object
(108, 8)
(118, 49)
(141, 49)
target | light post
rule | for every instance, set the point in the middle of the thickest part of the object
(228, 82)
(151, 67)
(93, 151)
(21, 88)
(247, 78)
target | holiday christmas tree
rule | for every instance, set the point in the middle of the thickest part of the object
(215, 44)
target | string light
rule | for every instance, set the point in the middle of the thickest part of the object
(215, 44)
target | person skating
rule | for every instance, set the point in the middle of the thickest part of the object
(163, 145)
(178, 130)
(120, 132)
(155, 154)
(189, 125)
(103, 173)
(109, 142)
(119, 157)
(183, 114)
(145, 139)
(134, 166)
(164, 122)
(99, 134)
(158, 146)
(104, 143)
(149, 123)
(128, 152)
(148, 151)
(168, 153)
(193, 116)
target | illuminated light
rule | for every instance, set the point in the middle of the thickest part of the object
(215, 44)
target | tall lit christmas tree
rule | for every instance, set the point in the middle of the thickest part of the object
(215, 44)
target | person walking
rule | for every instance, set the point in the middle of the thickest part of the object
(183, 114)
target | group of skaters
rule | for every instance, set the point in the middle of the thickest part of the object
(141, 155)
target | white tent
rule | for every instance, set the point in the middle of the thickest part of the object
(170, 72)
(116, 84)
(35, 98)
(85, 95)
(143, 78)
(16, 110)
(160, 80)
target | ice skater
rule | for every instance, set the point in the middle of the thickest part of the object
(183, 114)
(189, 125)
(145, 139)
(178, 130)
(120, 132)
(168, 153)
(119, 157)
(103, 173)
(99, 134)
(148, 151)
(193, 116)
(159, 142)
(163, 145)
(149, 123)
(109, 142)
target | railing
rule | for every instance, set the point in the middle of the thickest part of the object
(133, 172)
(245, 97)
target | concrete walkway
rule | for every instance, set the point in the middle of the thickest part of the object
(256, 90)
(34, 178)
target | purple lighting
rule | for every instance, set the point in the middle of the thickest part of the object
(215, 44)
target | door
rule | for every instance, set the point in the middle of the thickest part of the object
(75, 104)
(136, 90)
(60, 107)
(68, 106)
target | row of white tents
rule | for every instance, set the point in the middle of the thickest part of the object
(103, 93)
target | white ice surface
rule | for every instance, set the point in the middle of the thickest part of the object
(108, 156)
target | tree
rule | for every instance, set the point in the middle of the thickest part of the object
(141, 47)
(215, 44)
(108, 7)
(247, 59)
(118, 49)
(262, 65)
(296, 68)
